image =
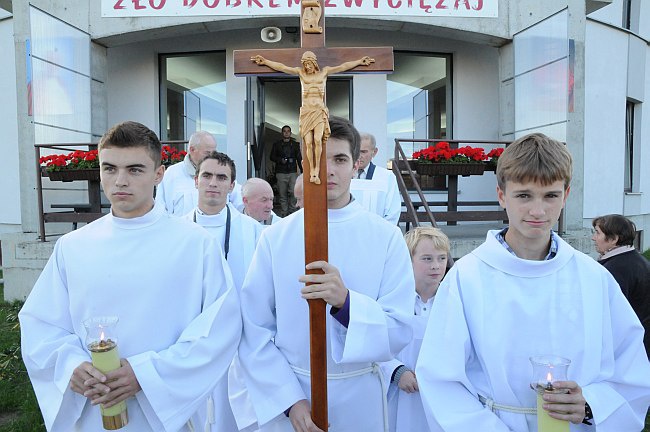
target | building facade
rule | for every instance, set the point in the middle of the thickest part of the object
(464, 69)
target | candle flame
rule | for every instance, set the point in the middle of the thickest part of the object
(549, 377)
(101, 336)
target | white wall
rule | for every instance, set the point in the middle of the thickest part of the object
(9, 196)
(605, 98)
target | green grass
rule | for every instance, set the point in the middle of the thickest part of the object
(19, 410)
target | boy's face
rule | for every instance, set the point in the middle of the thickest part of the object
(213, 184)
(429, 265)
(128, 176)
(340, 169)
(532, 209)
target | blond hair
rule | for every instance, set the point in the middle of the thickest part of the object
(537, 158)
(439, 239)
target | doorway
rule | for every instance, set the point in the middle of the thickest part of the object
(279, 104)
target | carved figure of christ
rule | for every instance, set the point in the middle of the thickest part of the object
(314, 115)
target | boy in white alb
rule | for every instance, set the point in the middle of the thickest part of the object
(368, 286)
(178, 325)
(526, 292)
(238, 235)
(429, 249)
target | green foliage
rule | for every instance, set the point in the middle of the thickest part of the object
(647, 254)
(19, 410)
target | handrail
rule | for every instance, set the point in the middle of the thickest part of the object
(401, 162)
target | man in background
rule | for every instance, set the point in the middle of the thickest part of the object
(177, 191)
(375, 187)
(288, 160)
(257, 196)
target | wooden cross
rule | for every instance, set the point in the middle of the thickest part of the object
(289, 60)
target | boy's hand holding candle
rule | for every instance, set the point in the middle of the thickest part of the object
(569, 406)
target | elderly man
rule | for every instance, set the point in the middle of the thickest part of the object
(177, 191)
(375, 187)
(257, 196)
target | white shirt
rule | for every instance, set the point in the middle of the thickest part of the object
(113, 267)
(380, 195)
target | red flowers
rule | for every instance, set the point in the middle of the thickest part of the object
(171, 155)
(78, 159)
(443, 153)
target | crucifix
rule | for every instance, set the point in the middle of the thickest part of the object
(314, 131)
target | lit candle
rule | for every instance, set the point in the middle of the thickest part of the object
(106, 358)
(546, 423)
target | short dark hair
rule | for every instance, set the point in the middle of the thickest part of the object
(342, 129)
(286, 126)
(133, 134)
(616, 225)
(223, 159)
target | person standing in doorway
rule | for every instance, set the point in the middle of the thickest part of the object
(288, 160)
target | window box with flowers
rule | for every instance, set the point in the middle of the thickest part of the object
(441, 159)
(84, 165)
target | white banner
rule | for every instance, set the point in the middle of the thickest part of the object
(431, 8)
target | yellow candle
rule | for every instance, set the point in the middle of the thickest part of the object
(546, 423)
(106, 358)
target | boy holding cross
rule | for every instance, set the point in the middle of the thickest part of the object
(367, 284)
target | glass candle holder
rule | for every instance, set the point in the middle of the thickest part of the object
(548, 369)
(101, 340)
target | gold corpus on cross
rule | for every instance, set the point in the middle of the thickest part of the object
(314, 127)
(314, 115)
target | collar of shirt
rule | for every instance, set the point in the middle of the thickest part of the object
(552, 251)
(421, 307)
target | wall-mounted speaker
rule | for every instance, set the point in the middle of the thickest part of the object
(271, 34)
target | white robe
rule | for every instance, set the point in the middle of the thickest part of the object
(379, 277)
(244, 234)
(493, 311)
(167, 282)
(379, 195)
(405, 410)
(178, 192)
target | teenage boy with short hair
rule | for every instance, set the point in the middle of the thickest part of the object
(526, 292)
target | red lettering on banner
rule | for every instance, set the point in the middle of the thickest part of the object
(137, 5)
(465, 2)
(272, 4)
(328, 3)
(375, 3)
(292, 2)
(212, 5)
(425, 7)
(235, 4)
(410, 3)
(440, 5)
(394, 5)
(189, 3)
(348, 3)
(161, 4)
(118, 5)
(250, 3)
(479, 5)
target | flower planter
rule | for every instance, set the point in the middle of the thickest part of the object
(461, 169)
(72, 175)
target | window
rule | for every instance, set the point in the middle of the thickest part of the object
(631, 11)
(419, 98)
(629, 146)
(193, 95)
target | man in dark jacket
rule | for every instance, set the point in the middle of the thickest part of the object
(288, 160)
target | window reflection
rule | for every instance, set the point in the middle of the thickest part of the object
(193, 95)
(418, 95)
